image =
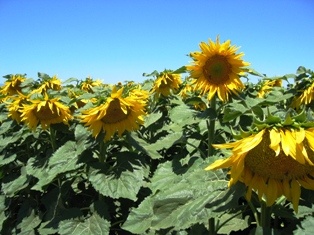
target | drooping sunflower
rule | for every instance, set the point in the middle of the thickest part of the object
(166, 83)
(14, 104)
(217, 69)
(305, 98)
(45, 111)
(89, 83)
(272, 162)
(117, 115)
(53, 83)
(13, 85)
(267, 85)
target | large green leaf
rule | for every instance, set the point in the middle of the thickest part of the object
(152, 118)
(95, 224)
(64, 160)
(230, 222)
(124, 181)
(306, 228)
(142, 146)
(12, 187)
(182, 114)
(7, 158)
(193, 198)
(165, 142)
(29, 223)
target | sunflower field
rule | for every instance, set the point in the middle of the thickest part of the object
(213, 147)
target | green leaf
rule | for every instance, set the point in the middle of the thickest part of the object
(12, 187)
(125, 185)
(3, 216)
(4, 159)
(306, 228)
(29, 224)
(152, 118)
(230, 223)
(276, 96)
(89, 226)
(143, 146)
(233, 111)
(165, 142)
(180, 70)
(140, 219)
(180, 201)
(65, 159)
(182, 114)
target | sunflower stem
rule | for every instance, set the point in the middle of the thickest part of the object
(53, 139)
(255, 213)
(265, 215)
(211, 226)
(102, 151)
(211, 127)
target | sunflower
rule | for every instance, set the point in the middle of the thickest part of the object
(217, 69)
(267, 85)
(14, 104)
(89, 83)
(13, 85)
(117, 114)
(53, 83)
(273, 162)
(45, 111)
(306, 97)
(166, 83)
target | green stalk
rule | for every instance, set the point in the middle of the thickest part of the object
(211, 127)
(265, 215)
(211, 226)
(255, 213)
(53, 139)
(102, 151)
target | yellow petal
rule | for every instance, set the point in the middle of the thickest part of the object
(295, 194)
(275, 141)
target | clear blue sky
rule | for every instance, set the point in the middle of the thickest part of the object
(116, 40)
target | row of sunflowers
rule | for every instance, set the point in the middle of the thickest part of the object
(197, 150)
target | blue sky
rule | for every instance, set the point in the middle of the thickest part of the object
(119, 40)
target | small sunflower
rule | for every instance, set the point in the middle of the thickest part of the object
(166, 83)
(117, 114)
(45, 111)
(53, 83)
(13, 85)
(305, 98)
(89, 83)
(267, 85)
(273, 162)
(14, 104)
(217, 69)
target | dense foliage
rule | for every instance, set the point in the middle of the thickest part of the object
(60, 178)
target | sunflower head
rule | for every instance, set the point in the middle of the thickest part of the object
(47, 83)
(122, 111)
(14, 104)
(217, 69)
(45, 111)
(267, 85)
(275, 160)
(166, 83)
(305, 90)
(13, 85)
(89, 83)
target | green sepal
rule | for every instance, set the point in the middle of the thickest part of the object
(301, 117)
